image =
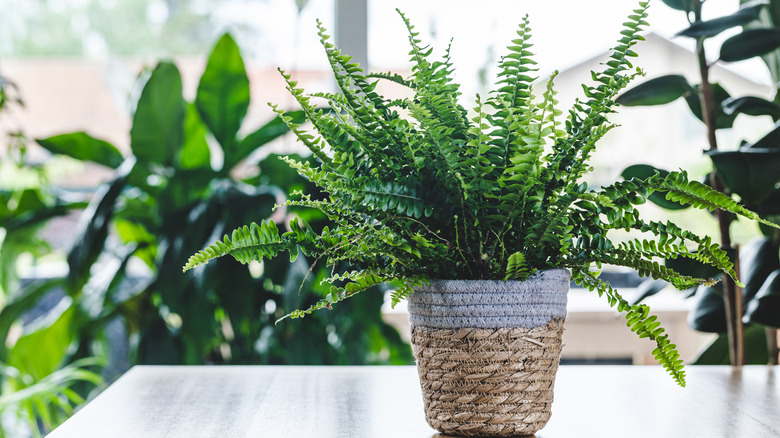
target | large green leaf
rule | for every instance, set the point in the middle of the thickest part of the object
(750, 173)
(41, 350)
(719, 95)
(656, 91)
(768, 18)
(750, 43)
(752, 106)
(82, 146)
(715, 26)
(757, 260)
(770, 141)
(764, 308)
(93, 229)
(717, 353)
(223, 94)
(644, 171)
(157, 131)
(24, 300)
(195, 149)
(709, 312)
(263, 135)
(31, 207)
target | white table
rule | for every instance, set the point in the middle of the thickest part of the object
(329, 402)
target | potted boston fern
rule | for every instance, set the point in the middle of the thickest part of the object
(480, 220)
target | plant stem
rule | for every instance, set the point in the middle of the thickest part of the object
(732, 296)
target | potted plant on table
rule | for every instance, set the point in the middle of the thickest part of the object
(484, 218)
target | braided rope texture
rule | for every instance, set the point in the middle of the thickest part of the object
(488, 382)
(452, 304)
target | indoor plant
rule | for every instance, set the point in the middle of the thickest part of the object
(750, 172)
(418, 190)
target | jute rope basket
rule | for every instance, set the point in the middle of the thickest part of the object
(487, 352)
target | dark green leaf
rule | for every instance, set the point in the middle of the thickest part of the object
(750, 173)
(30, 208)
(93, 229)
(223, 94)
(750, 43)
(769, 18)
(23, 301)
(82, 146)
(709, 313)
(764, 308)
(752, 106)
(644, 171)
(263, 135)
(158, 346)
(715, 26)
(757, 260)
(41, 350)
(717, 353)
(157, 131)
(656, 91)
(720, 95)
(195, 150)
(770, 141)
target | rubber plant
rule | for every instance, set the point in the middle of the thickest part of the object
(750, 174)
(418, 189)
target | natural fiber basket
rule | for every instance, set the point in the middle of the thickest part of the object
(487, 352)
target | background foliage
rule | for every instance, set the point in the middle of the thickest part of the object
(749, 172)
(124, 298)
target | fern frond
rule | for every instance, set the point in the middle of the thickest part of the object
(517, 268)
(696, 194)
(358, 281)
(405, 288)
(639, 321)
(392, 77)
(647, 268)
(311, 142)
(587, 120)
(253, 242)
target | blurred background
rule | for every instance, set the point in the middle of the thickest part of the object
(111, 175)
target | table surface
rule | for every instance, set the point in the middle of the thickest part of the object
(330, 402)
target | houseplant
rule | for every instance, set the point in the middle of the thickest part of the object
(750, 172)
(167, 201)
(420, 194)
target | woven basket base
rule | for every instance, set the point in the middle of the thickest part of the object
(488, 382)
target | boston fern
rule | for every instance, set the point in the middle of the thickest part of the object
(420, 188)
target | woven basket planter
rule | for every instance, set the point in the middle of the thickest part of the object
(487, 352)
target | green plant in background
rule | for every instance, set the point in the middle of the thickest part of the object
(165, 203)
(417, 189)
(168, 201)
(40, 382)
(750, 173)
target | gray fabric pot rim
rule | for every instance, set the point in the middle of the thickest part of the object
(453, 304)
